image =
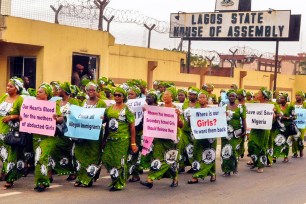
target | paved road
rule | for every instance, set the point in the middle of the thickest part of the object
(282, 183)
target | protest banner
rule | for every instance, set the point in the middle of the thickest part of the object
(301, 118)
(84, 123)
(147, 143)
(259, 115)
(37, 117)
(208, 122)
(137, 106)
(160, 122)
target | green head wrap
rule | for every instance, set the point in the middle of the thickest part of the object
(182, 91)
(172, 90)
(125, 86)
(48, 89)
(249, 93)
(111, 83)
(143, 83)
(91, 84)
(301, 93)
(81, 94)
(285, 95)
(154, 96)
(55, 84)
(123, 92)
(203, 92)
(193, 90)
(231, 91)
(265, 92)
(18, 83)
(210, 86)
(85, 81)
(66, 87)
(74, 90)
(102, 81)
(135, 89)
(32, 92)
(156, 82)
(241, 92)
(108, 88)
(234, 86)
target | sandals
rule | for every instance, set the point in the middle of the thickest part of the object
(213, 178)
(193, 181)
(250, 163)
(134, 179)
(259, 170)
(301, 153)
(40, 188)
(79, 184)
(71, 177)
(226, 174)
(295, 155)
(8, 185)
(286, 160)
(174, 184)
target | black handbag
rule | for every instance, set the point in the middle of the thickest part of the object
(16, 138)
(61, 128)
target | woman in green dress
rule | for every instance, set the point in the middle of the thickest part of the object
(45, 147)
(181, 95)
(204, 152)
(241, 97)
(87, 153)
(298, 144)
(235, 115)
(133, 159)
(65, 160)
(119, 137)
(258, 139)
(163, 149)
(11, 156)
(186, 139)
(283, 140)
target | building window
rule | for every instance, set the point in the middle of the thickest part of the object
(23, 66)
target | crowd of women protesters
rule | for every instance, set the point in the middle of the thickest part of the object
(119, 147)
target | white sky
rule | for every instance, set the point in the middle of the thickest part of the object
(132, 34)
(161, 9)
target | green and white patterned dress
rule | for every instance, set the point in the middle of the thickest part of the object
(298, 144)
(11, 156)
(118, 142)
(230, 145)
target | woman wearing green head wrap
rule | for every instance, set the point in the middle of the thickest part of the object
(236, 126)
(186, 140)
(88, 152)
(241, 94)
(283, 139)
(204, 152)
(46, 148)
(181, 95)
(108, 90)
(10, 105)
(118, 139)
(64, 161)
(249, 97)
(212, 98)
(165, 148)
(134, 159)
(55, 86)
(259, 144)
(298, 143)
(74, 90)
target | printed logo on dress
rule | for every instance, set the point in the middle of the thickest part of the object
(171, 156)
(289, 141)
(209, 156)
(174, 167)
(3, 153)
(226, 151)
(10, 166)
(64, 161)
(20, 165)
(78, 165)
(211, 140)
(131, 169)
(280, 140)
(122, 115)
(37, 155)
(43, 170)
(189, 150)
(114, 173)
(92, 170)
(254, 157)
(195, 166)
(113, 125)
(51, 162)
(270, 152)
(155, 165)
(263, 160)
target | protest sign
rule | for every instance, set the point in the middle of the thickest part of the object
(137, 106)
(84, 123)
(208, 122)
(37, 117)
(259, 115)
(301, 118)
(160, 122)
(147, 143)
